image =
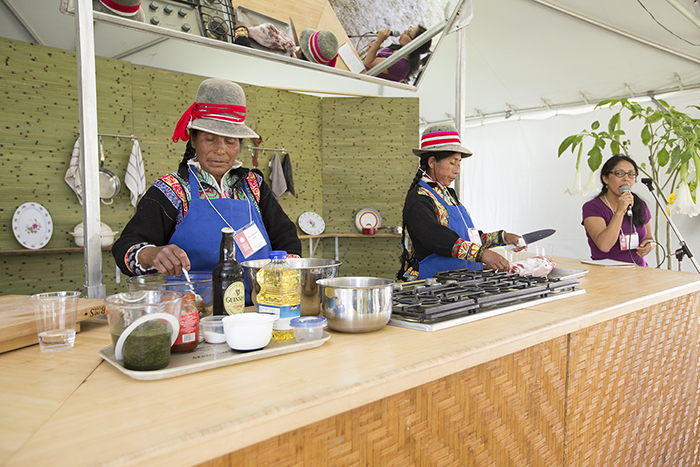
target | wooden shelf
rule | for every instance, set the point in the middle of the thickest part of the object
(47, 251)
(312, 248)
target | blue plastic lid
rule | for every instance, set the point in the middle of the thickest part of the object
(308, 322)
(278, 254)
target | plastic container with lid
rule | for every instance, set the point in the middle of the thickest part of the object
(213, 329)
(308, 328)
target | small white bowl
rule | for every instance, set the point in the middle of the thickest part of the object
(213, 329)
(248, 331)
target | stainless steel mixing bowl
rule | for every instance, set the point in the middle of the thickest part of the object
(356, 304)
(310, 270)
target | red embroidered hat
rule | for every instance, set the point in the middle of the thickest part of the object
(127, 8)
(319, 46)
(219, 108)
(441, 137)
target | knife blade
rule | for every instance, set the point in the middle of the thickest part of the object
(294, 32)
(537, 235)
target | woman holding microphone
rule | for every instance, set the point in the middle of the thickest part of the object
(612, 232)
(405, 67)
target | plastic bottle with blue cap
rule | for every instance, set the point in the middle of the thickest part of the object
(278, 294)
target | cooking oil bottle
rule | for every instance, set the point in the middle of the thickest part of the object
(278, 294)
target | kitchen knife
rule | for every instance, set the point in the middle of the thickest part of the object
(537, 235)
(294, 32)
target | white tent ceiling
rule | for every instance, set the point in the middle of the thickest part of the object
(520, 54)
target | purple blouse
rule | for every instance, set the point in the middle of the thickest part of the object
(396, 72)
(597, 208)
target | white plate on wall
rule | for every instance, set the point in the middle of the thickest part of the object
(368, 218)
(32, 225)
(311, 223)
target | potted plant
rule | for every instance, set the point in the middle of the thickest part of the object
(672, 139)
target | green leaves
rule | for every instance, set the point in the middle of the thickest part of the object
(595, 158)
(566, 143)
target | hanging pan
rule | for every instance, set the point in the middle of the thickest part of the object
(109, 182)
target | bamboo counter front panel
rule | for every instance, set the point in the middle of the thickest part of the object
(606, 378)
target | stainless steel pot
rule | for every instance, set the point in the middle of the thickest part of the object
(356, 304)
(310, 271)
(109, 182)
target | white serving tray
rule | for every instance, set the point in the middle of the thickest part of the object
(209, 356)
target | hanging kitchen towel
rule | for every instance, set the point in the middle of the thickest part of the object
(277, 182)
(135, 177)
(287, 170)
(72, 176)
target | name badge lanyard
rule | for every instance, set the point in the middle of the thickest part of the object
(250, 213)
(459, 211)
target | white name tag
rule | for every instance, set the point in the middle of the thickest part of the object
(249, 239)
(474, 236)
(629, 242)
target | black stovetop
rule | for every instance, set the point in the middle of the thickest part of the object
(458, 296)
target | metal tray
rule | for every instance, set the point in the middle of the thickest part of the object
(209, 356)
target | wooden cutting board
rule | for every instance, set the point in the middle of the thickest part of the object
(17, 324)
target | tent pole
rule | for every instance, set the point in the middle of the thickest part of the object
(87, 103)
(684, 11)
(461, 93)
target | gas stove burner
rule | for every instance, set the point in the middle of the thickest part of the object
(460, 293)
(215, 27)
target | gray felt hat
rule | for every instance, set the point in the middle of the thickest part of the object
(441, 137)
(127, 8)
(319, 46)
(229, 123)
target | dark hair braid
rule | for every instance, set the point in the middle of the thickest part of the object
(407, 259)
(189, 149)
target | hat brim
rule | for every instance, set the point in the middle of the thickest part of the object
(445, 148)
(304, 44)
(217, 127)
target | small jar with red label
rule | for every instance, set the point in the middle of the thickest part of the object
(188, 339)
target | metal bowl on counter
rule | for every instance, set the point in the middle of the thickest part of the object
(356, 304)
(310, 271)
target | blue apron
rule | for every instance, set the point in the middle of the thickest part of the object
(199, 233)
(460, 222)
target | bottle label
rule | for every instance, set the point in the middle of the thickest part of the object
(234, 298)
(284, 314)
(189, 321)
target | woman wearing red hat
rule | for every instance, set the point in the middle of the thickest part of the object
(178, 222)
(441, 230)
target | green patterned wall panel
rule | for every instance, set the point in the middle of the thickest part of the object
(346, 154)
(368, 162)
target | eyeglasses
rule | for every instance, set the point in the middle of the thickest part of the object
(622, 173)
(408, 33)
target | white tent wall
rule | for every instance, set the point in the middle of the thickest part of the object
(515, 181)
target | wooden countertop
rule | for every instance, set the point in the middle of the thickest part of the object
(72, 407)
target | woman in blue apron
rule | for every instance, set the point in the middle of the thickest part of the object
(178, 221)
(441, 230)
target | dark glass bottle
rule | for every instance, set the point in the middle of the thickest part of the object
(227, 278)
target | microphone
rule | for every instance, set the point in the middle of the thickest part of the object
(627, 189)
